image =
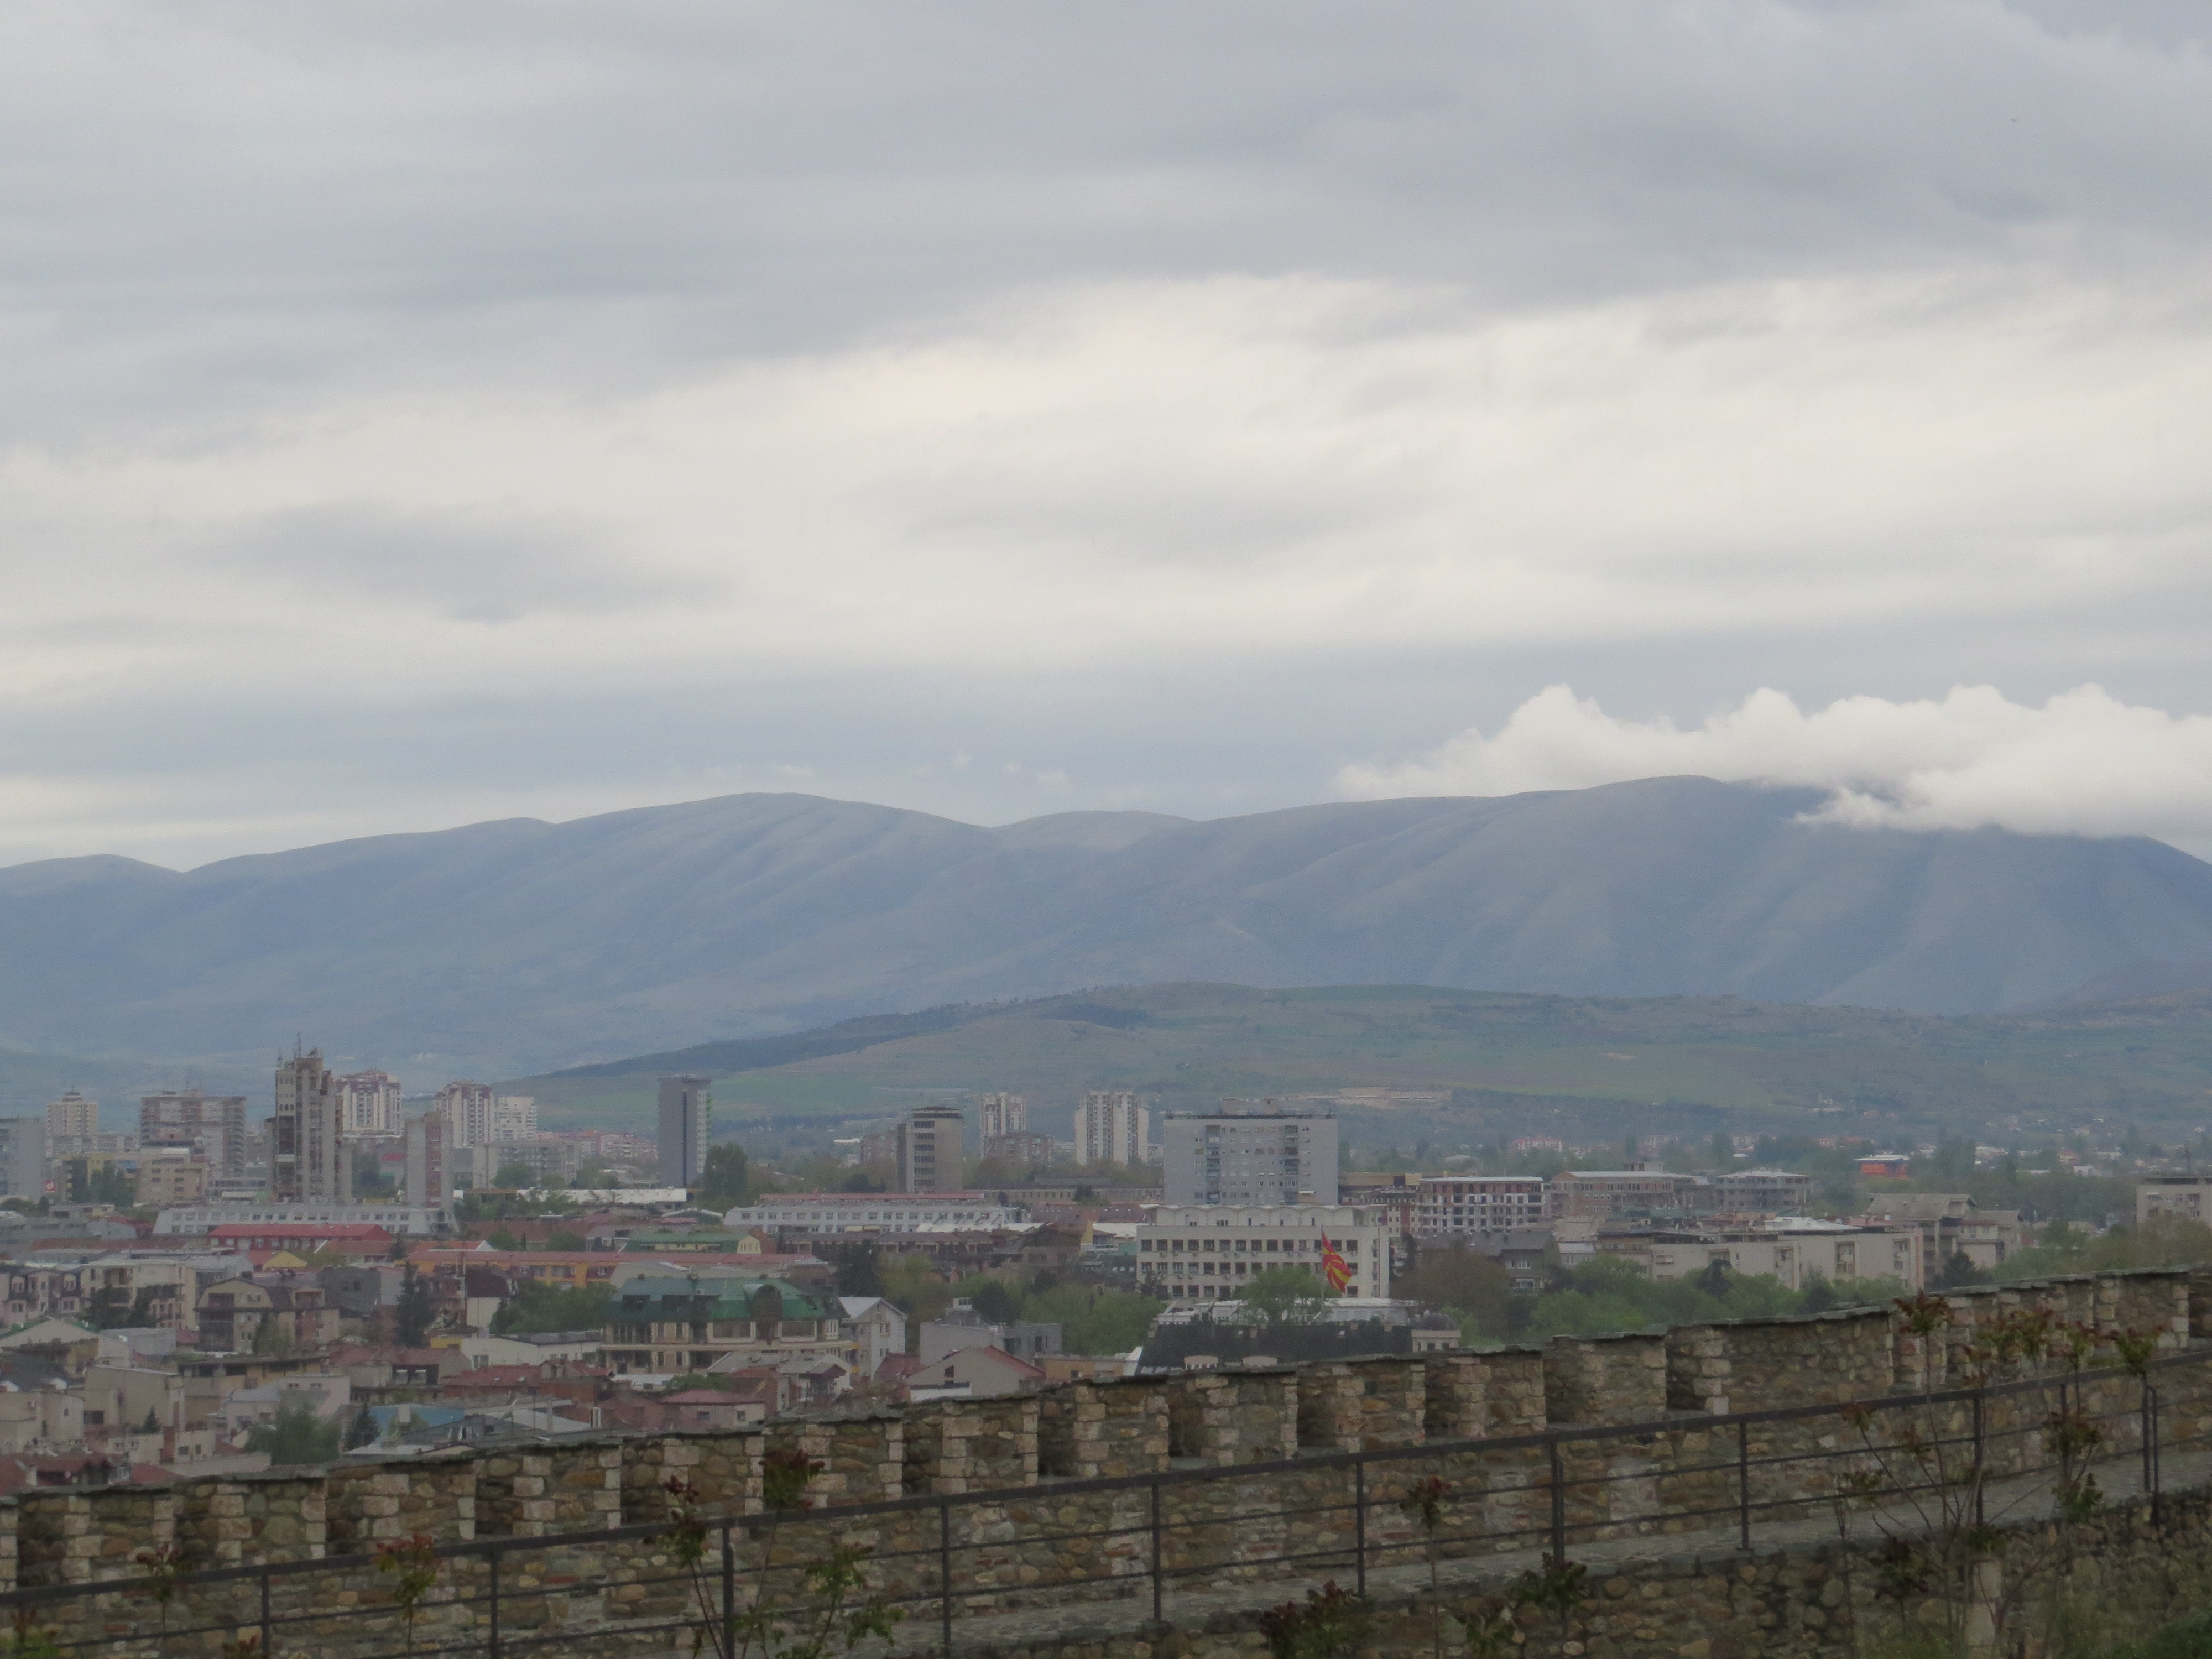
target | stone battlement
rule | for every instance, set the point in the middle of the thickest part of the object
(1088, 1430)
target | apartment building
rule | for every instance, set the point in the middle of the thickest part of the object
(309, 1162)
(687, 1128)
(668, 1325)
(1113, 1126)
(875, 1213)
(1249, 1154)
(429, 1173)
(72, 1125)
(1207, 1252)
(1576, 1193)
(24, 1156)
(170, 1176)
(1795, 1256)
(1767, 1192)
(932, 1150)
(369, 1103)
(1477, 1204)
(1948, 1224)
(998, 1114)
(212, 1126)
(2185, 1197)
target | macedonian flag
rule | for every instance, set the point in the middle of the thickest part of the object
(1333, 1266)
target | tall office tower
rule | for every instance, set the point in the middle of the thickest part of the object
(1251, 1154)
(370, 1101)
(687, 1125)
(72, 1119)
(430, 1173)
(213, 1125)
(1111, 1127)
(1002, 1114)
(932, 1150)
(24, 1156)
(307, 1156)
(515, 1117)
(466, 1108)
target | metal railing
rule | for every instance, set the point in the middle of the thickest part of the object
(1146, 1540)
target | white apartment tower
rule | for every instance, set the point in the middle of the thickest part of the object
(1002, 1114)
(1112, 1127)
(308, 1163)
(370, 1102)
(466, 1108)
(687, 1126)
(71, 1118)
(515, 1117)
(1251, 1153)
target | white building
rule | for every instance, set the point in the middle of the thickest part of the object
(1207, 1252)
(877, 1329)
(416, 1220)
(1249, 1154)
(1775, 1192)
(1002, 1114)
(1477, 1204)
(2187, 1197)
(368, 1102)
(466, 1108)
(1112, 1126)
(515, 1117)
(875, 1212)
(24, 1156)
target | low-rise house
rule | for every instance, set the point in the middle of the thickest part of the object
(329, 1395)
(540, 1348)
(68, 1343)
(670, 1325)
(232, 1313)
(976, 1373)
(710, 1408)
(877, 1329)
(1949, 1224)
(961, 1326)
(39, 1408)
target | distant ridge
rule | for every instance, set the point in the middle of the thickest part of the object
(846, 1037)
(516, 947)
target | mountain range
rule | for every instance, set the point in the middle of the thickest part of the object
(519, 945)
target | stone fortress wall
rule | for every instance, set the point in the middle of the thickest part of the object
(1017, 1449)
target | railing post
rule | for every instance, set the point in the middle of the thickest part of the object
(1743, 1483)
(1359, 1521)
(491, 1603)
(1158, 1564)
(944, 1572)
(268, 1634)
(2149, 1410)
(1981, 1462)
(729, 1591)
(1559, 1502)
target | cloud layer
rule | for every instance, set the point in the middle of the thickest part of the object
(428, 410)
(2083, 764)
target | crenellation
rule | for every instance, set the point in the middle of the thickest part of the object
(1605, 1379)
(1092, 1430)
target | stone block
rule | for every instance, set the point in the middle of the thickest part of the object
(1605, 1379)
(972, 1446)
(1094, 1431)
(1233, 1417)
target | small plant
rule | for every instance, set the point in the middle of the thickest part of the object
(1556, 1587)
(242, 1647)
(164, 1568)
(1327, 1626)
(2136, 1349)
(413, 1561)
(1490, 1631)
(28, 1639)
(784, 1478)
(839, 1619)
(1425, 1502)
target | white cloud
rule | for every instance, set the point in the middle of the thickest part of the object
(2083, 764)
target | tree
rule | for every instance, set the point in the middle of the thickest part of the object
(1466, 1282)
(996, 1301)
(270, 1338)
(109, 1308)
(362, 1430)
(540, 1307)
(565, 1239)
(861, 1274)
(517, 1175)
(297, 1436)
(723, 1184)
(1285, 1296)
(417, 1310)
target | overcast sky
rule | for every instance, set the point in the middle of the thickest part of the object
(418, 413)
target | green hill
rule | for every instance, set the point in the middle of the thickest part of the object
(1500, 1062)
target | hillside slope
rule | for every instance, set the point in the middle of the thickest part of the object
(516, 945)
